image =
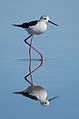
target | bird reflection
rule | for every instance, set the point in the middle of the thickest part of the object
(37, 93)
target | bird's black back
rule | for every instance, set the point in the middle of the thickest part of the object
(26, 24)
(32, 23)
(26, 94)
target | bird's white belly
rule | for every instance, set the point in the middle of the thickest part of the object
(37, 91)
(37, 29)
(40, 94)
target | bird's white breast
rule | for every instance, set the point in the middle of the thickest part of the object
(37, 91)
(39, 28)
(41, 95)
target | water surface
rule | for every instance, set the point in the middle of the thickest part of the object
(59, 74)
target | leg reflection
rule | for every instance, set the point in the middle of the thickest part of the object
(32, 71)
(30, 63)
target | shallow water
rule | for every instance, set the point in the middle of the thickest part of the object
(59, 74)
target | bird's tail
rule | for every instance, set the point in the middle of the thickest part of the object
(18, 25)
(17, 92)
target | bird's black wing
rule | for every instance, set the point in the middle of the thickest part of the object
(26, 94)
(30, 96)
(26, 24)
(32, 23)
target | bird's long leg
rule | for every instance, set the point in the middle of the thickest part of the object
(34, 47)
(41, 63)
(30, 64)
(28, 81)
(27, 38)
(31, 83)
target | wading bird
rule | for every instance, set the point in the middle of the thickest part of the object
(36, 27)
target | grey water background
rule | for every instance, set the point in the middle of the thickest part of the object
(59, 74)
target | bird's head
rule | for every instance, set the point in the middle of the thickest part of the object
(45, 102)
(46, 19)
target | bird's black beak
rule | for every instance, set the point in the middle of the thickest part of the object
(53, 23)
(53, 98)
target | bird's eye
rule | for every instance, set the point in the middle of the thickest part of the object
(45, 102)
(45, 18)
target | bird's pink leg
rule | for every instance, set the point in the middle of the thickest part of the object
(41, 63)
(27, 38)
(34, 48)
(28, 81)
(30, 64)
